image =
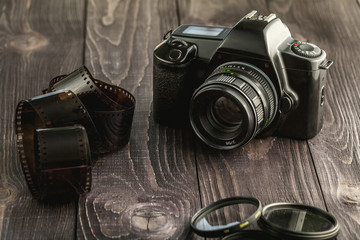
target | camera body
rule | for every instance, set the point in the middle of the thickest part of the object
(271, 84)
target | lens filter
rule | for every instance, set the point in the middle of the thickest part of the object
(287, 221)
(226, 216)
(298, 222)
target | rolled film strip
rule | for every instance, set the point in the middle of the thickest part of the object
(58, 169)
(57, 132)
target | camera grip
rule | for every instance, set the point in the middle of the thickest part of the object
(171, 93)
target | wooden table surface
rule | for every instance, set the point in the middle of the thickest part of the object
(152, 187)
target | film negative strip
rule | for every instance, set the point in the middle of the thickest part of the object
(57, 131)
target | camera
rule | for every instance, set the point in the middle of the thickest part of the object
(233, 84)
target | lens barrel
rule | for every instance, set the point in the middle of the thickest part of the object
(233, 105)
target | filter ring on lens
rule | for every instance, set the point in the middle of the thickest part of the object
(226, 230)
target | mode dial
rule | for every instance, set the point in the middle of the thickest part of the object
(306, 49)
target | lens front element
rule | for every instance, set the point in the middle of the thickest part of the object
(233, 105)
(227, 112)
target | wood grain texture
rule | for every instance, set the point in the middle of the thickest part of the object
(31, 34)
(286, 170)
(147, 190)
(336, 150)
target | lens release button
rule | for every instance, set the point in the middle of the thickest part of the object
(175, 54)
(285, 104)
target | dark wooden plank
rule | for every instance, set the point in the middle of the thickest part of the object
(336, 150)
(38, 40)
(149, 188)
(271, 169)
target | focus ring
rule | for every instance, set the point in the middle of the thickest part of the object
(226, 78)
(255, 99)
(268, 90)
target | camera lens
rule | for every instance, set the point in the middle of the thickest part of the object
(234, 104)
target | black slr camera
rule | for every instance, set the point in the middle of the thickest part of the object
(237, 83)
